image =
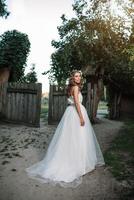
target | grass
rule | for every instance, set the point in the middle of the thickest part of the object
(120, 158)
(44, 111)
(102, 105)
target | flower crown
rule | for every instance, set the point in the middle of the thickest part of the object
(75, 70)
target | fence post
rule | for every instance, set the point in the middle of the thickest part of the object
(39, 92)
(50, 107)
(3, 99)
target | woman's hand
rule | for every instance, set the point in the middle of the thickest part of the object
(82, 122)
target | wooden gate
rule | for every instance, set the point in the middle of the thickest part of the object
(21, 103)
(58, 101)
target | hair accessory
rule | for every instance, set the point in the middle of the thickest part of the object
(75, 70)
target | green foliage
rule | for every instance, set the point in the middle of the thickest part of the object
(123, 71)
(97, 38)
(3, 9)
(30, 77)
(14, 49)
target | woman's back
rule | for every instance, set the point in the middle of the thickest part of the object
(70, 99)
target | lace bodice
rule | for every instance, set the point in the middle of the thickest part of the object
(70, 99)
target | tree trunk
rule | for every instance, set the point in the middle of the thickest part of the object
(4, 75)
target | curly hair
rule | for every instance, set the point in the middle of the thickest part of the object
(72, 82)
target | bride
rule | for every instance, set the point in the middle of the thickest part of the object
(73, 150)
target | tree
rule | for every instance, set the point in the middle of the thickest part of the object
(14, 49)
(3, 9)
(30, 77)
(94, 37)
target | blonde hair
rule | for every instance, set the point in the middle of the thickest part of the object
(71, 81)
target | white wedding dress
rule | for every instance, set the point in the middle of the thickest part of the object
(73, 150)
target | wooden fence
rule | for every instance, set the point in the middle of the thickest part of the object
(21, 103)
(58, 101)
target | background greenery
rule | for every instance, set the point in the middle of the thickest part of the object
(96, 37)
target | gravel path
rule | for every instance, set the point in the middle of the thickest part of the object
(21, 146)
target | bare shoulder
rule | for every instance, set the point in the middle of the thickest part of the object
(75, 89)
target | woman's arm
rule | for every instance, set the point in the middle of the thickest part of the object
(77, 104)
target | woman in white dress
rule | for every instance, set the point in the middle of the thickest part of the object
(73, 150)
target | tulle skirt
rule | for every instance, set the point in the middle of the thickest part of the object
(72, 152)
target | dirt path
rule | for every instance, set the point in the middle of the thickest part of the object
(21, 146)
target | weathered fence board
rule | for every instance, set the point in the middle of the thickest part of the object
(3, 89)
(21, 103)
